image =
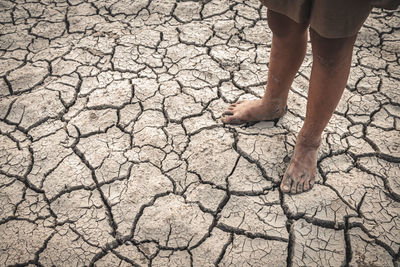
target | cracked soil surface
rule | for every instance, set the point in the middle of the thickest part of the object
(112, 152)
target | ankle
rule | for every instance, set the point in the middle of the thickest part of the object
(278, 104)
(308, 141)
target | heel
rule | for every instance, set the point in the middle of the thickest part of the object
(276, 121)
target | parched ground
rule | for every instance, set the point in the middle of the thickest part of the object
(112, 152)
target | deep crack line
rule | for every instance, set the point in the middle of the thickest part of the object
(107, 205)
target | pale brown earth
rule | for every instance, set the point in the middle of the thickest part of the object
(112, 152)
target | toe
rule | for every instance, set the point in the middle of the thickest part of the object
(311, 181)
(299, 188)
(306, 185)
(293, 189)
(286, 183)
(225, 118)
(300, 184)
(235, 104)
(236, 121)
(227, 113)
(231, 120)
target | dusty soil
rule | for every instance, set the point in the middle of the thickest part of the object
(112, 152)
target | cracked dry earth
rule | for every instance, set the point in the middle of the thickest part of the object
(113, 153)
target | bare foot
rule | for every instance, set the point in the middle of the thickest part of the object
(300, 174)
(252, 111)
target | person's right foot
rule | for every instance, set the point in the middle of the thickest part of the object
(300, 174)
(252, 111)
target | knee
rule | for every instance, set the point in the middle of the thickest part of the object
(329, 52)
(328, 61)
(283, 27)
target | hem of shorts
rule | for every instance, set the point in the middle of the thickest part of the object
(334, 35)
(298, 20)
(323, 34)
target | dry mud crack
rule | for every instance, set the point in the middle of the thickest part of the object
(112, 152)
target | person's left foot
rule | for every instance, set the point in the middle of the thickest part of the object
(253, 111)
(300, 174)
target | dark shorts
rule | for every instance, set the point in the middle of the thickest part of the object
(329, 18)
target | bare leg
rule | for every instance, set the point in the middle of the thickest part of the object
(289, 42)
(330, 71)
